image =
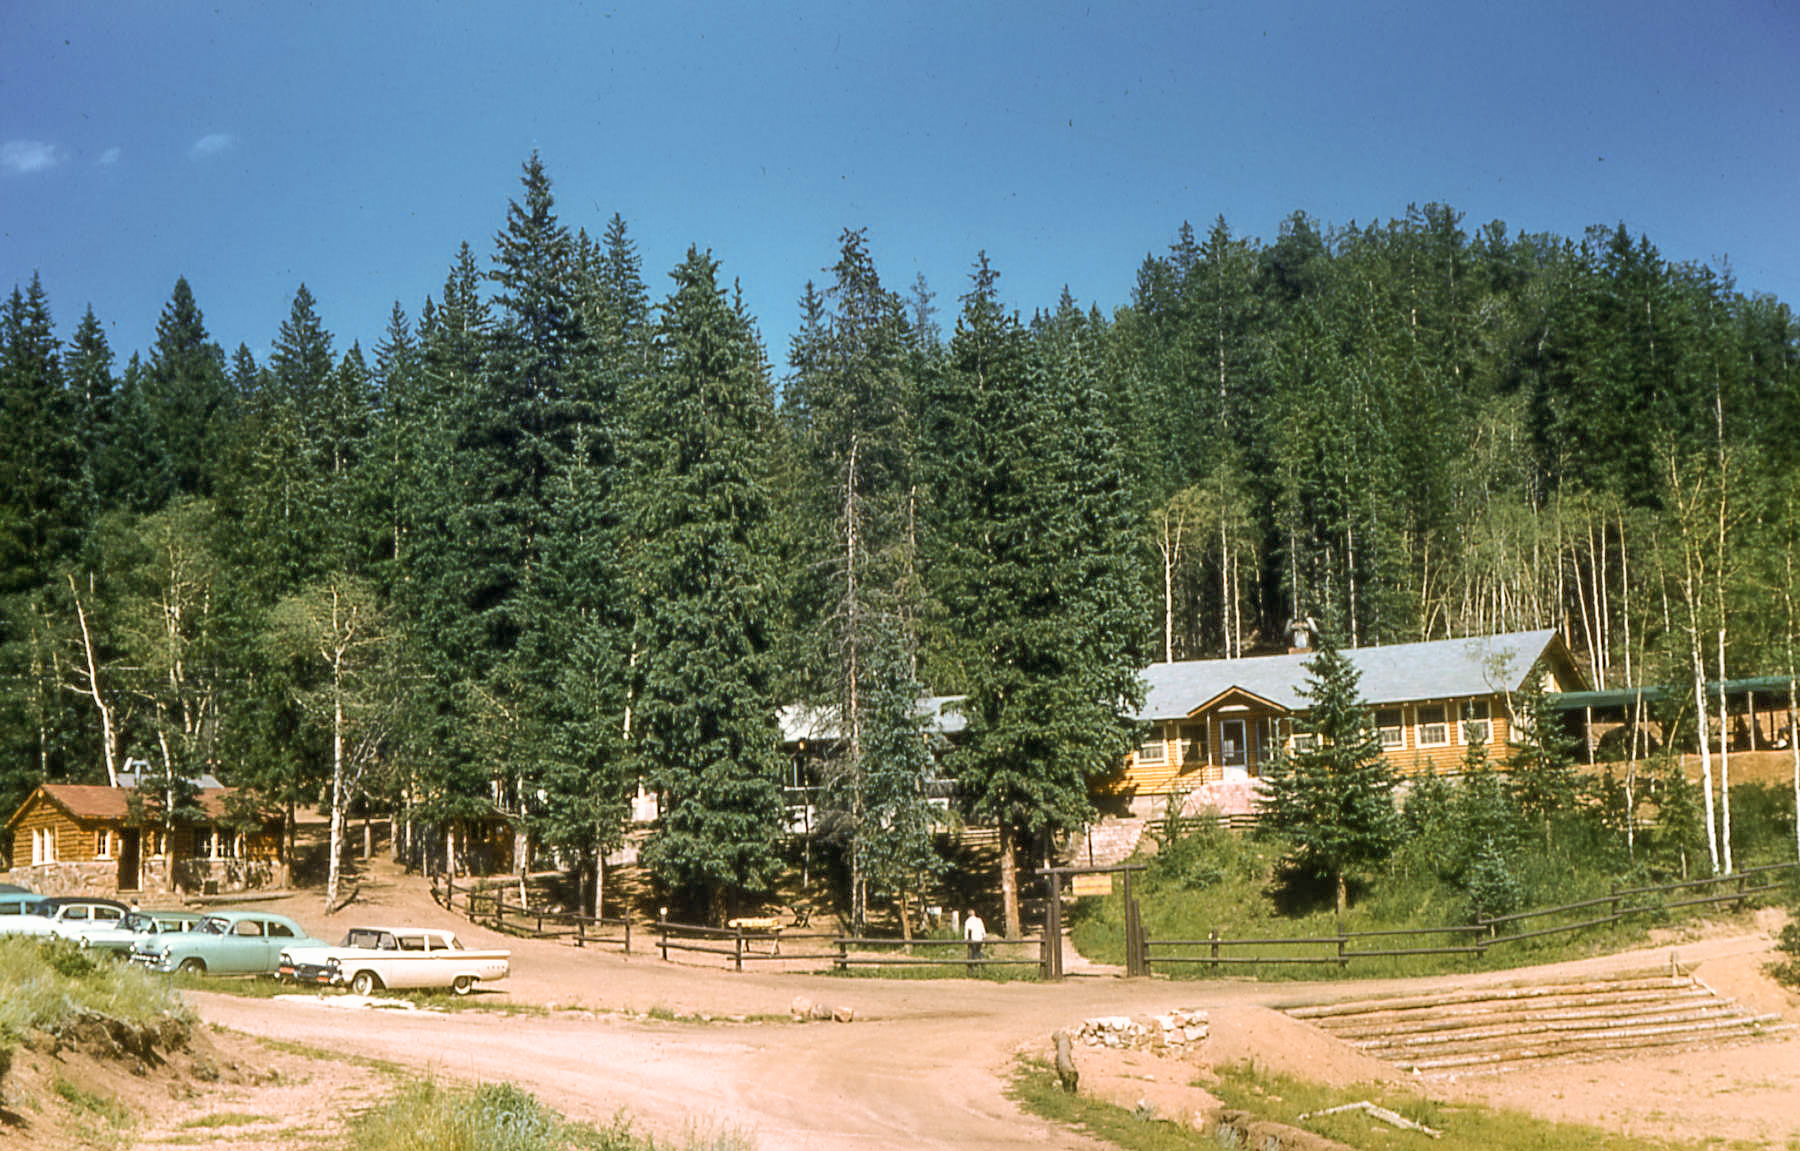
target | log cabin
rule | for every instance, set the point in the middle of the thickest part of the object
(85, 839)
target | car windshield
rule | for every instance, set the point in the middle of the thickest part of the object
(139, 922)
(215, 925)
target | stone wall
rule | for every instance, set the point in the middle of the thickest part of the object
(192, 876)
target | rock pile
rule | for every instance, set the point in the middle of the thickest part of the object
(1170, 1030)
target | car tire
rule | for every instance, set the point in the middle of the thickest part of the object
(463, 984)
(365, 983)
(192, 965)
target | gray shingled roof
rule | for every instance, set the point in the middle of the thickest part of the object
(799, 721)
(1398, 673)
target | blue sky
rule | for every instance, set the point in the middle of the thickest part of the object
(353, 146)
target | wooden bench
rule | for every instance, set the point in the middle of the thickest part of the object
(760, 927)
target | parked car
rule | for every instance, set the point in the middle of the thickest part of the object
(24, 913)
(72, 916)
(372, 958)
(136, 926)
(223, 942)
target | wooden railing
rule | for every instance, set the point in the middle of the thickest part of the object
(1620, 904)
(487, 905)
(864, 951)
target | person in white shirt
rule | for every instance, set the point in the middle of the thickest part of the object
(975, 933)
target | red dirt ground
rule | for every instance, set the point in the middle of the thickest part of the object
(924, 1064)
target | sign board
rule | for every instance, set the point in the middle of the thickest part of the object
(1084, 885)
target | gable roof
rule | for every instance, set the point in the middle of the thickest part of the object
(1396, 673)
(98, 802)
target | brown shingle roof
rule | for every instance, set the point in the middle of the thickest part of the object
(89, 801)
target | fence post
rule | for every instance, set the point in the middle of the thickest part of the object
(628, 932)
(1213, 935)
(499, 909)
(581, 931)
(738, 950)
(662, 938)
(1343, 960)
(842, 962)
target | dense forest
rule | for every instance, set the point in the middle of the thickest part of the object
(554, 538)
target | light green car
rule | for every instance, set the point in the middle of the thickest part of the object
(224, 942)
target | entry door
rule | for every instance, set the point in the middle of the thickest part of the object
(128, 859)
(1234, 749)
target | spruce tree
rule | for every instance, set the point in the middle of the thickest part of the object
(1029, 556)
(704, 715)
(1333, 799)
(187, 397)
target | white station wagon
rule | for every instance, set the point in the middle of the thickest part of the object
(372, 958)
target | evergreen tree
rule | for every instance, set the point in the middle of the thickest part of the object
(186, 396)
(1540, 764)
(1332, 799)
(1030, 557)
(44, 501)
(704, 716)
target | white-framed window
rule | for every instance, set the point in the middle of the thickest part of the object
(1477, 721)
(1153, 750)
(1390, 726)
(43, 845)
(103, 844)
(1433, 725)
(1306, 741)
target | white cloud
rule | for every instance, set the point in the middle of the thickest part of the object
(26, 156)
(111, 156)
(211, 144)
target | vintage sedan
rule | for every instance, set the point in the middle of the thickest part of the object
(72, 916)
(224, 942)
(372, 958)
(24, 913)
(136, 927)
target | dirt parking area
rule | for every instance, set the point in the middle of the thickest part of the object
(924, 1064)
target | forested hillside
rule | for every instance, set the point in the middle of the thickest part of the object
(561, 532)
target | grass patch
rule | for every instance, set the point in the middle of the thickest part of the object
(111, 1111)
(46, 983)
(1280, 1099)
(244, 986)
(426, 1116)
(226, 1119)
(1211, 879)
(1465, 1127)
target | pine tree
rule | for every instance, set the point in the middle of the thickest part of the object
(704, 715)
(1332, 800)
(187, 397)
(44, 501)
(1030, 558)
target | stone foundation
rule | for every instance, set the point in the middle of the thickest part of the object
(192, 877)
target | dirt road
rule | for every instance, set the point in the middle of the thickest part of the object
(925, 1063)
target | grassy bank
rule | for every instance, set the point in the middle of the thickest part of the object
(500, 1117)
(1233, 884)
(1278, 1099)
(46, 984)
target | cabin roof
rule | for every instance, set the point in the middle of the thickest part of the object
(96, 802)
(801, 721)
(1395, 673)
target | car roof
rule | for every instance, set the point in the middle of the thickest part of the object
(85, 901)
(236, 914)
(402, 930)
